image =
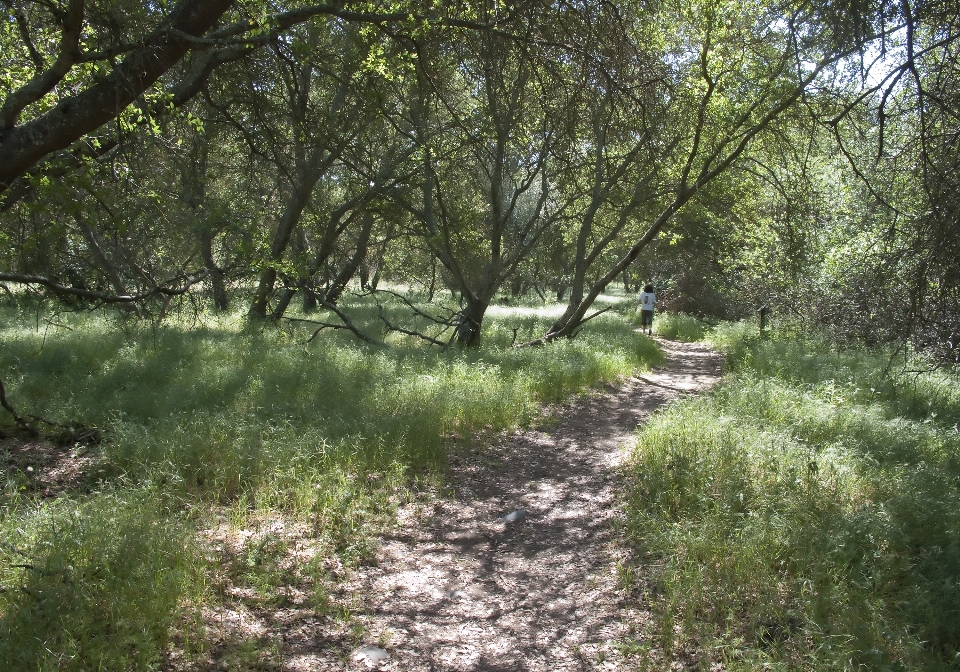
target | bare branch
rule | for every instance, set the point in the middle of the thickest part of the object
(327, 325)
(63, 290)
(408, 332)
(571, 331)
(449, 322)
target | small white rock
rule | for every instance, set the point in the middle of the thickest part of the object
(370, 654)
(515, 516)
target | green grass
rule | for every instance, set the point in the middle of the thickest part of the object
(677, 327)
(93, 584)
(207, 419)
(804, 516)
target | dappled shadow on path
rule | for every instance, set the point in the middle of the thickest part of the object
(458, 588)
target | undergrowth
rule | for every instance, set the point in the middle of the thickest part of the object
(803, 516)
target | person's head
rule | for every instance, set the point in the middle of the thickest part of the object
(648, 288)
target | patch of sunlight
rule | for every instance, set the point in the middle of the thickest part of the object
(552, 310)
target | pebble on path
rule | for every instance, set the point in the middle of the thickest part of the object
(370, 655)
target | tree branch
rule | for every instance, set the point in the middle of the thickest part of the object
(63, 290)
(74, 116)
(45, 81)
(16, 416)
(408, 332)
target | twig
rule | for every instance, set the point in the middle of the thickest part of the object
(15, 550)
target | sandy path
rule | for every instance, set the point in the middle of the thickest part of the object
(458, 588)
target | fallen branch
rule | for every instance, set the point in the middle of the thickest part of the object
(573, 331)
(449, 321)
(347, 324)
(16, 416)
(321, 326)
(409, 332)
(189, 279)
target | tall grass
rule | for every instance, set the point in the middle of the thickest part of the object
(91, 585)
(677, 326)
(210, 414)
(804, 516)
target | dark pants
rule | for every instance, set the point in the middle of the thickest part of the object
(646, 319)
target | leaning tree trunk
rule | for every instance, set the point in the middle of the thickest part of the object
(310, 167)
(296, 203)
(350, 268)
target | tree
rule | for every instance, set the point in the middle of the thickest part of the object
(733, 70)
(486, 134)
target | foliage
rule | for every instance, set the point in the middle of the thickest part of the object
(736, 155)
(804, 515)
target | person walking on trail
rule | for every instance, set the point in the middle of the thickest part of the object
(647, 298)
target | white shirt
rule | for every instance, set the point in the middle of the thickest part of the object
(647, 299)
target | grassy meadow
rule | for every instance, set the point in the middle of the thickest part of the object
(805, 515)
(218, 436)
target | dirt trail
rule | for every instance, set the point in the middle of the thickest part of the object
(462, 589)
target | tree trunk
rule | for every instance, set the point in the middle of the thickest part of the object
(350, 268)
(307, 179)
(104, 262)
(220, 299)
(433, 280)
(309, 170)
(471, 318)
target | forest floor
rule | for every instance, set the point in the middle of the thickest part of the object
(458, 586)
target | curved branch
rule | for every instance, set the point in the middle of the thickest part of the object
(17, 418)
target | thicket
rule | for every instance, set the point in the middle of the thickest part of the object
(805, 515)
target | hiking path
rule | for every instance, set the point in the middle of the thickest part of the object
(464, 585)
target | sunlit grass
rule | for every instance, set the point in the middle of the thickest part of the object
(677, 327)
(93, 584)
(805, 515)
